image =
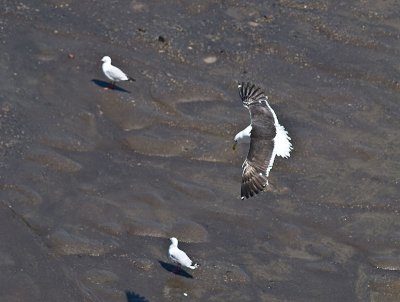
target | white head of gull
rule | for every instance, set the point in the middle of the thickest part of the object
(267, 139)
(178, 256)
(113, 73)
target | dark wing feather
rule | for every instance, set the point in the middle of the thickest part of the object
(250, 93)
(263, 131)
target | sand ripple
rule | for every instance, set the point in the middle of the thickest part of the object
(64, 243)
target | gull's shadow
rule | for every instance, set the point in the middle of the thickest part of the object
(134, 297)
(174, 269)
(104, 84)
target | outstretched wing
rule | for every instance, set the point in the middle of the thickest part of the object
(254, 178)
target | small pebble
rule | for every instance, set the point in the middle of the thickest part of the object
(210, 59)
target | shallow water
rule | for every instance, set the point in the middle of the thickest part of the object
(93, 182)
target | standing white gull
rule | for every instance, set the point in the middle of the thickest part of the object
(113, 73)
(178, 256)
(267, 139)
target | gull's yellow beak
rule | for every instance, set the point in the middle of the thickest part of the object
(234, 145)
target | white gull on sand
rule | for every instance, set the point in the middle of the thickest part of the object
(178, 256)
(114, 73)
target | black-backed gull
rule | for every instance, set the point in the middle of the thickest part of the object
(178, 256)
(267, 139)
(113, 73)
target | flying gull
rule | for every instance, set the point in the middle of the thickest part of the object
(113, 73)
(267, 139)
(178, 256)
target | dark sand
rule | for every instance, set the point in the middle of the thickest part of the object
(94, 182)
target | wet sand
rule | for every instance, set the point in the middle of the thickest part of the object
(95, 181)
